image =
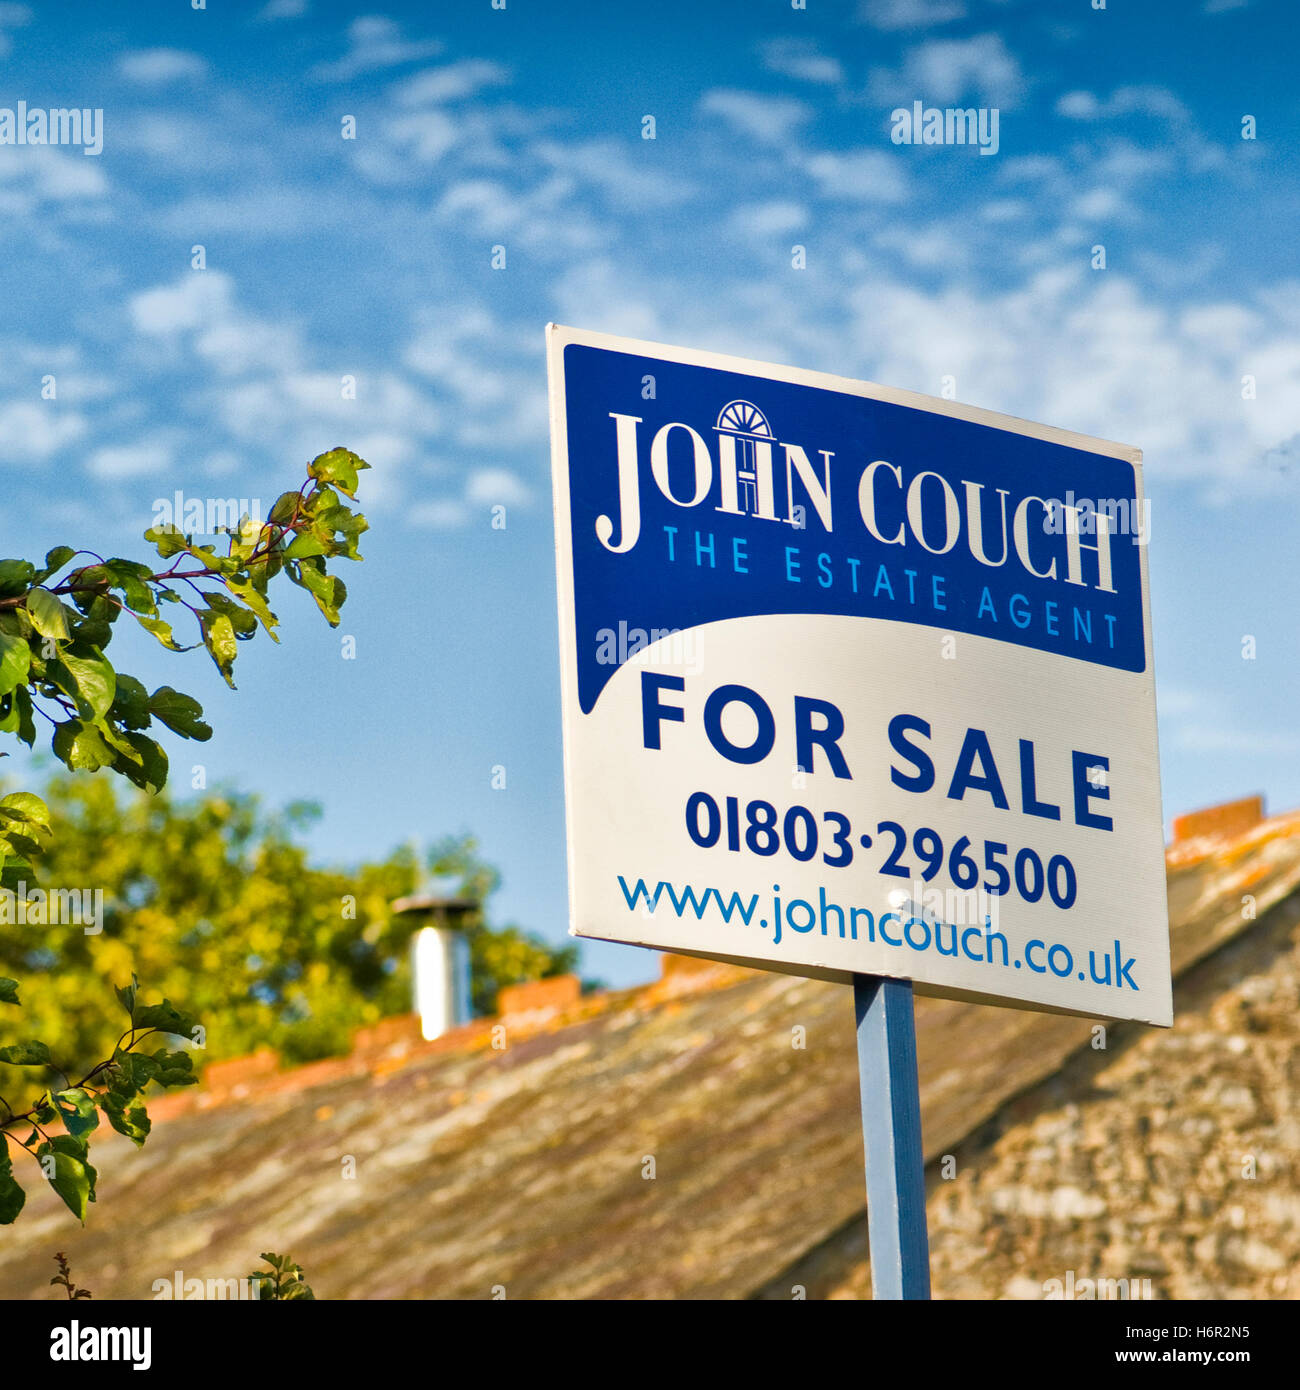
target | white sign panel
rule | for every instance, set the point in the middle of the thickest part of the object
(855, 681)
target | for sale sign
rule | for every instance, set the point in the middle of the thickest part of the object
(855, 681)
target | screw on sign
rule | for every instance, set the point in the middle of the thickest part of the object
(940, 618)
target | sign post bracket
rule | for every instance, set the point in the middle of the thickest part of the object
(891, 1132)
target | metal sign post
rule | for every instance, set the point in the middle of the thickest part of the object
(891, 1133)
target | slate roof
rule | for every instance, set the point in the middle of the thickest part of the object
(526, 1169)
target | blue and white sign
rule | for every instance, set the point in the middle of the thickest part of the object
(855, 681)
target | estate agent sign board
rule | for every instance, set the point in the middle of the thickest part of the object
(856, 682)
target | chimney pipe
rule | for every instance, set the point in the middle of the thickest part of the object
(440, 965)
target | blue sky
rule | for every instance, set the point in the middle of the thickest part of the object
(522, 128)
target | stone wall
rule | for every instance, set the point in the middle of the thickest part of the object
(1135, 1162)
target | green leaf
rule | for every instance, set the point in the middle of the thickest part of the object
(15, 870)
(16, 715)
(127, 1115)
(243, 622)
(17, 838)
(131, 703)
(340, 467)
(162, 630)
(8, 991)
(74, 1178)
(15, 662)
(167, 540)
(166, 1017)
(55, 560)
(346, 523)
(327, 589)
(49, 616)
(15, 577)
(219, 638)
(78, 1112)
(250, 595)
(174, 1068)
(284, 507)
(126, 995)
(90, 680)
(82, 747)
(132, 1072)
(26, 1054)
(303, 546)
(180, 713)
(28, 806)
(130, 577)
(141, 760)
(12, 1196)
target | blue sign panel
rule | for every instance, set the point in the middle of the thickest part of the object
(699, 494)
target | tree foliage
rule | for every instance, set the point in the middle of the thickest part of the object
(211, 901)
(283, 1282)
(219, 902)
(57, 620)
(115, 1087)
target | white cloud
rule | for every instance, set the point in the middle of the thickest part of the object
(761, 221)
(548, 219)
(803, 61)
(34, 176)
(297, 415)
(429, 134)
(771, 120)
(270, 400)
(489, 371)
(1192, 149)
(497, 486)
(1099, 205)
(191, 302)
(150, 456)
(910, 14)
(627, 179)
(927, 248)
(1123, 101)
(1134, 371)
(483, 488)
(11, 17)
(283, 9)
(156, 67)
(453, 82)
(941, 72)
(34, 431)
(199, 307)
(863, 176)
(374, 43)
(442, 514)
